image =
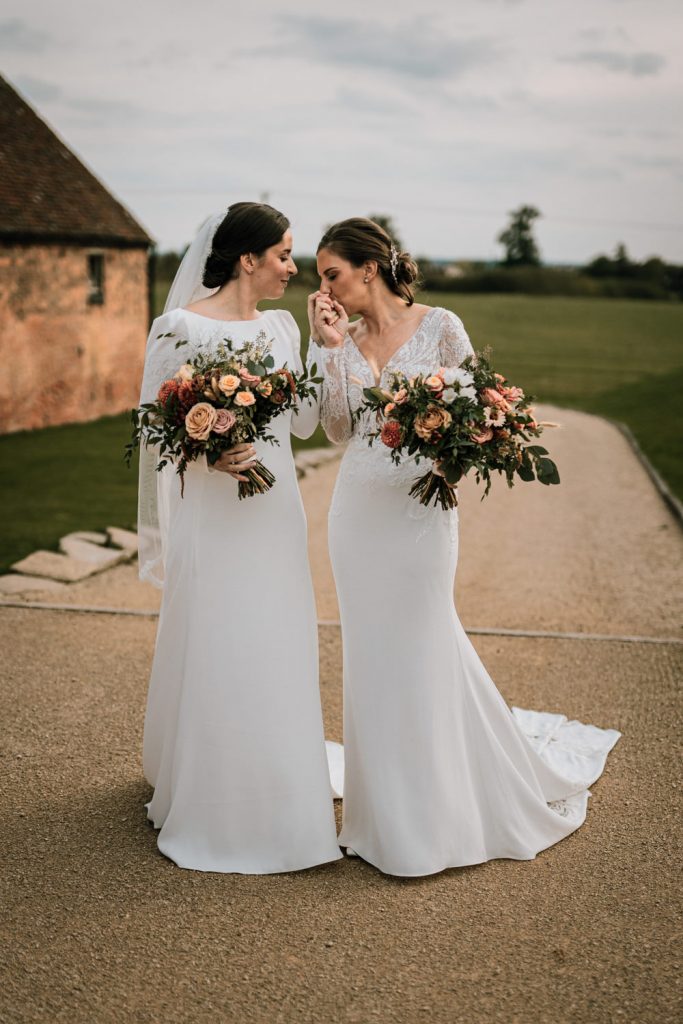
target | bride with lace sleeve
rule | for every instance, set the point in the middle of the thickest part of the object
(439, 772)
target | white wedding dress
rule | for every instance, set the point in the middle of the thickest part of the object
(233, 740)
(438, 771)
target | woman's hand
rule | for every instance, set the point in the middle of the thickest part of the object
(328, 320)
(235, 460)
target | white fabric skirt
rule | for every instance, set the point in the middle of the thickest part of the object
(438, 771)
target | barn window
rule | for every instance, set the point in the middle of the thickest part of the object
(96, 279)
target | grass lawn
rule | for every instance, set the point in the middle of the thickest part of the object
(621, 359)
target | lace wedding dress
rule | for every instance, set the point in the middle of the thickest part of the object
(438, 771)
(233, 740)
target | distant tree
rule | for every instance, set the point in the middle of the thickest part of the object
(518, 240)
(622, 264)
(387, 222)
(167, 264)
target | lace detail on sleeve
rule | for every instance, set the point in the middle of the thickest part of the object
(454, 343)
(335, 414)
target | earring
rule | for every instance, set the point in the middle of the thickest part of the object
(365, 280)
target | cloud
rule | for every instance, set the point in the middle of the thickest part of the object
(37, 89)
(17, 36)
(636, 64)
(91, 106)
(410, 50)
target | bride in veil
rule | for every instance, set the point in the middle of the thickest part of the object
(233, 740)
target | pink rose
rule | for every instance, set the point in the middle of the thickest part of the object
(485, 435)
(249, 378)
(200, 421)
(400, 396)
(490, 396)
(512, 394)
(225, 421)
(434, 383)
(245, 398)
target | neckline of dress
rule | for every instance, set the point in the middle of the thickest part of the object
(432, 309)
(215, 320)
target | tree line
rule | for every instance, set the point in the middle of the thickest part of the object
(520, 268)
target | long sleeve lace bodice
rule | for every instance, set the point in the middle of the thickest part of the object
(440, 340)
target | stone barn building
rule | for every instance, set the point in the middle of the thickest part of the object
(74, 282)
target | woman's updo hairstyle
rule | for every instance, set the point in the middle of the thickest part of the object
(246, 227)
(359, 239)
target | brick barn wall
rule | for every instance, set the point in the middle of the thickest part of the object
(63, 360)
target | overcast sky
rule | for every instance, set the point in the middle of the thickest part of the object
(445, 120)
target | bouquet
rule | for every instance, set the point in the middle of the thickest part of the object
(464, 418)
(217, 401)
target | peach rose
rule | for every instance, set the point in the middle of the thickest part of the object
(229, 383)
(434, 383)
(249, 378)
(245, 398)
(200, 421)
(431, 420)
(185, 372)
(400, 396)
(389, 408)
(485, 435)
(490, 396)
(265, 388)
(225, 421)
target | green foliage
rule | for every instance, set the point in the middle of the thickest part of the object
(518, 239)
(618, 358)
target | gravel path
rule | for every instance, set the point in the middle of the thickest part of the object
(98, 927)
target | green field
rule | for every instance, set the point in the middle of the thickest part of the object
(621, 359)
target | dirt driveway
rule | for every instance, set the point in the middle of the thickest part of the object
(98, 927)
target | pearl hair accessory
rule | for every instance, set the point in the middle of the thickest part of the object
(394, 262)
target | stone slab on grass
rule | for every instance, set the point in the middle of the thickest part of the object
(15, 584)
(125, 539)
(93, 554)
(56, 566)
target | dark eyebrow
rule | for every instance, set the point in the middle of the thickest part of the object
(329, 270)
